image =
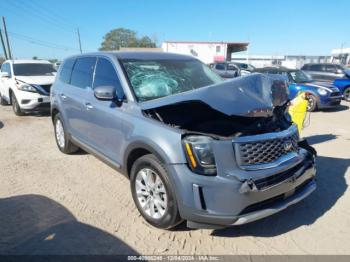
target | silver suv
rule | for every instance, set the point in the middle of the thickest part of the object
(195, 147)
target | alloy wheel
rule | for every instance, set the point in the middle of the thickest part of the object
(60, 134)
(151, 193)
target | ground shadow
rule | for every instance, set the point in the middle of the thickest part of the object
(1, 124)
(331, 185)
(36, 225)
(317, 139)
(335, 109)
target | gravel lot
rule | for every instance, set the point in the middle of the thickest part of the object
(51, 203)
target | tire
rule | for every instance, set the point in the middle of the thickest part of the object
(2, 101)
(15, 106)
(347, 94)
(165, 215)
(61, 136)
(311, 103)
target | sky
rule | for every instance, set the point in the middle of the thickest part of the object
(48, 29)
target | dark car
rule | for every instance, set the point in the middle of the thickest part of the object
(226, 69)
(321, 94)
(326, 72)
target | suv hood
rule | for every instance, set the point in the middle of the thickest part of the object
(252, 95)
(37, 80)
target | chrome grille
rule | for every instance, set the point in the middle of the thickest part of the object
(265, 149)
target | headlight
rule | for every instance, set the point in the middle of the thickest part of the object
(322, 92)
(27, 88)
(199, 153)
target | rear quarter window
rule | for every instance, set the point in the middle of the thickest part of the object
(319, 68)
(66, 70)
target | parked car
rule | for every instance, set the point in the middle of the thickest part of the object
(320, 94)
(326, 72)
(245, 68)
(226, 70)
(26, 85)
(344, 86)
(194, 147)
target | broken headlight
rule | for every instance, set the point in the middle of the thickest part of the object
(199, 154)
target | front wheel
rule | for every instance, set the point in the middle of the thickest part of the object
(311, 103)
(153, 193)
(15, 106)
(61, 136)
(347, 94)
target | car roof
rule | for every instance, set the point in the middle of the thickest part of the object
(139, 55)
(27, 61)
(272, 68)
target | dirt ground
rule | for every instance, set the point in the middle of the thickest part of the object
(51, 203)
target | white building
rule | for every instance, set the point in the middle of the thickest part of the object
(207, 52)
(341, 56)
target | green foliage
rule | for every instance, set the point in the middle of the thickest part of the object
(122, 37)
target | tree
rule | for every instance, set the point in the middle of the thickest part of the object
(122, 37)
(35, 58)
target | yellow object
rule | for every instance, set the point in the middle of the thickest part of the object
(298, 109)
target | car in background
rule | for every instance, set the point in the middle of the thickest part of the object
(226, 69)
(326, 71)
(244, 68)
(344, 86)
(26, 85)
(320, 94)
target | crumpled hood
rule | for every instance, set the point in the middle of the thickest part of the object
(36, 80)
(252, 95)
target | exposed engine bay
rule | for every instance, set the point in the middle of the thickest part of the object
(250, 105)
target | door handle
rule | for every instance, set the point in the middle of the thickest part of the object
(63, 97)
(88, 106)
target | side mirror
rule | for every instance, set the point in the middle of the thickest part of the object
(4, 75)
(105, 93)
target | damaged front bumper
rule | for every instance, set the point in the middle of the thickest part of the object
(236, 196)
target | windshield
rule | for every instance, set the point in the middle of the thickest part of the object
(151, 79)
(300, 77)
(32, 69)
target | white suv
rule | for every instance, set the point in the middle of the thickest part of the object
(26, 85)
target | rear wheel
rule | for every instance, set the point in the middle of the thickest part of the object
(153, 193)
(15, 106)
(311, 103)
(61, 136)
(347, 94)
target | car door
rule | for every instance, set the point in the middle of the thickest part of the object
(317, 72)
(6, 82)
(106, 118)
(75, 96)
(330, 72)
(220, 69)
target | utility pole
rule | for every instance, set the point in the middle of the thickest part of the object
(3, 45)
(81, 51)
(7, 39)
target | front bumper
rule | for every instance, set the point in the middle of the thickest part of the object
(214, 202)
(329, 102)
(30, 102)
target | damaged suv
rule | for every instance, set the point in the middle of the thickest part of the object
(194, 147)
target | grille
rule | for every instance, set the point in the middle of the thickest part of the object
(335, 94)
(264, 151)
(47, 88)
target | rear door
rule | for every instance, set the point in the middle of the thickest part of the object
(75, 97)
(105, 118)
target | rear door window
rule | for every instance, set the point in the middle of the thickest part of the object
(220, 67)
(66, 70)
(105, 75)
(83, 71)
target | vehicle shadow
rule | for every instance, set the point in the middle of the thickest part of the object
(36, 225)
(331, 185)
(335, 109)
(317, 139)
